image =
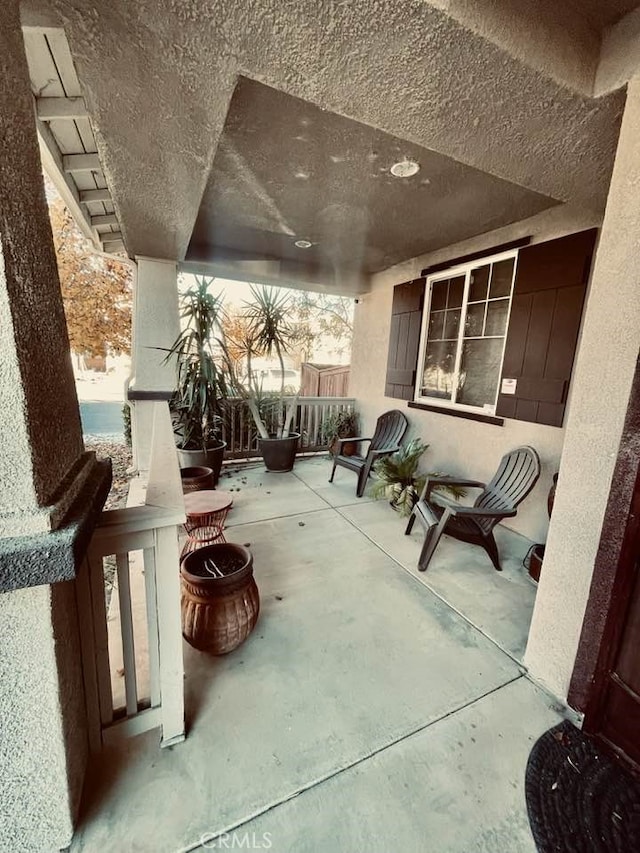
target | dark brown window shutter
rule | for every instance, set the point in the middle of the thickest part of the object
(551, 282)
(404, 339)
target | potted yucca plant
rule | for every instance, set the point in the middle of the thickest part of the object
(196, 406)
(270, 333)
(398, 479)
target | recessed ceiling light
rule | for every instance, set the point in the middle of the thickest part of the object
(405, 169)
(303, 244)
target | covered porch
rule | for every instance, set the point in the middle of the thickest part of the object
(277, 143)
(373, 706)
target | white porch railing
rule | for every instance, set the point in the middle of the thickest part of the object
(151, 530)
(312, 413)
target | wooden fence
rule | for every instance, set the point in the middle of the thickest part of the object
(324, 380)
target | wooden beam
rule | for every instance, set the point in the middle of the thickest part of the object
(64, 183)
(49, 109)
(95, 195)
(81, 163)
(104, 219)
(111, 237)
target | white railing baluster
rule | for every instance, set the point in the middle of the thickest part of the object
(88, 655)
(169, 636)
(150, 590)
(101, 637)
(126, 628)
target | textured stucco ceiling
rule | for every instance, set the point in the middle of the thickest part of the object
(603, 13)
(159, 76)
(287, 170)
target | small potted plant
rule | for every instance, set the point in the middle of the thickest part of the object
(398, 480)
(341, 425)
(196, 406)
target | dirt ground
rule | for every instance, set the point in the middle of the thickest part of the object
(120, 455)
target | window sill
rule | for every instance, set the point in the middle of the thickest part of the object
(457, 413)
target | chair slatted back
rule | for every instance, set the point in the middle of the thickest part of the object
(390, 428)
(517, 474)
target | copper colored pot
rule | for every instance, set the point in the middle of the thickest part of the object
(196, 478)
(218, 612)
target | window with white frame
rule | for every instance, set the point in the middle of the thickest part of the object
(464, 329)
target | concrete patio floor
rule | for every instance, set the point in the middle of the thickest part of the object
(364, 713)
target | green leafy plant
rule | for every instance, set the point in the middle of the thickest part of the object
(398, 480)
(269, 332)
(339, 425)
(201, 386)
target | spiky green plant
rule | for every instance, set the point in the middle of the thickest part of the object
(200, 386)
(398, 480)
(269, 332)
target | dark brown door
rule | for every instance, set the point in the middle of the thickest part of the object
(615, 714)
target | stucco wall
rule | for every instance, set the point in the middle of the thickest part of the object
(458, 446)
(620, 54)
(35, 811)
(602, 382)
(39, 404)
(43, 744)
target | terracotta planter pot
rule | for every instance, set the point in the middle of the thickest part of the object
(348, 449)
(279, 454)
(196, 479)
(535, 562)
(218, 613)
(552, 495)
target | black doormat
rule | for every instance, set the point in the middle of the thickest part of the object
(578, 799)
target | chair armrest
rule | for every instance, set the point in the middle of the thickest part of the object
(444, 480)
(343, 441)
(438, 480)
(472, 511)
(386, 452)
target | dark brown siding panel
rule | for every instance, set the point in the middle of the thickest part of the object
(542, 390)
(549, 291)
(413, 341)
(540, 322)
(557, 263)
(507, 406)
(518, 331)
(401, 377)
(551, 414)
(565, 330)
(404, 339)
(526, 410)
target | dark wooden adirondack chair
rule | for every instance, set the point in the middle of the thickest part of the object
(514, 479)
(386, 439)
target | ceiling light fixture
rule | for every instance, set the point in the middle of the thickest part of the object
(303, 244)
(405, 169)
